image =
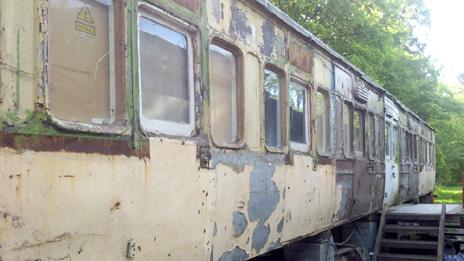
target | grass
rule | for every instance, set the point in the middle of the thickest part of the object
(447, 194)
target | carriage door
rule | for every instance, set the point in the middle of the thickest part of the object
(392, 175)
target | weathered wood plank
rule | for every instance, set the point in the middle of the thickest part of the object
(380, 233)
(396, 257)
(411, 229)
(441, 233)
(415, 244)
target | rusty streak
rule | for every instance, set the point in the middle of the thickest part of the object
(42, 143)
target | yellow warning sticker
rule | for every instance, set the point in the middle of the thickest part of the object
(84, 22)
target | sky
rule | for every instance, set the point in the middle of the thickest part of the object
(445, 37)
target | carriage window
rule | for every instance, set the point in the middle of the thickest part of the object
(166, 84)
(429, 153)
(81, 81)
(223, 95)
(272, 108)
(408, 147)
(297, 96)
(322, 123)
(379, 138)
(359, 133)
(371, 136)
(347, 136)
(396, 144)
(387, 140)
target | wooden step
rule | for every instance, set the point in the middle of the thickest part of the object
(411, 229)
(454, 231)
(396, 257)
(412, 217)
(415, 244)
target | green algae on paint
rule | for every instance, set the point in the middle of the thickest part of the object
(18, 68)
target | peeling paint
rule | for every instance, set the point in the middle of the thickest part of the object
(239, 222)
(260, 236)
(238, 159)
(264, 194)
(275, 245)
(239, 27)
(235, 254)
(269, 38)
(280, 226)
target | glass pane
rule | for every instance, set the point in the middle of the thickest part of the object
(223, 95)
(347, 140)
(396, 144)
(164, 73)
(371, 136)
(321, 122)
(297, 102)
(387, 139)
(79, 60)
(359, 132)
(272, 108)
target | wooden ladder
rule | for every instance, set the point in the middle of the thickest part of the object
(410, 236)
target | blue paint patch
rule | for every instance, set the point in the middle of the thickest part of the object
(264, 194)
(280, 226)
(239, 222)
(239, 26)
(275, 245)
(236, 254)
(269, 38)
(215, 230)
(260, 236)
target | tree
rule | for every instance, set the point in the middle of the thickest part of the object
(461, 78)
(377, 36)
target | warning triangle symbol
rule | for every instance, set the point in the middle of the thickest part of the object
(84, 15)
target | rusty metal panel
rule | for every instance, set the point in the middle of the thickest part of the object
(300, 56)
(344, 196)
(368, 189)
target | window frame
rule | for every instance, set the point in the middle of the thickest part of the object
(326, 94)
(116, 74)
(283, 127)
(351, 126)
(372, 154)
(161, 127)
(363, 114)
(240, 117)
(296, 146)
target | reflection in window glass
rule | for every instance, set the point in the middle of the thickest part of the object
(358, 132)
(223, 95)
(371, 136)
(322, 124)
(272, 109)
(79, 60)
(298, 118)
(347, 137)
(164, 73)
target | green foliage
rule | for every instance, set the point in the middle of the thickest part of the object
(377, 37)
(448, 194)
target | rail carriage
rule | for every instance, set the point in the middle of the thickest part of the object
(188, 130)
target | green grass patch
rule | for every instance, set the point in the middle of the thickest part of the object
(448, 194)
